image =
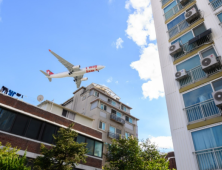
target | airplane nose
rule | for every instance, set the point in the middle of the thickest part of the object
(101, 67)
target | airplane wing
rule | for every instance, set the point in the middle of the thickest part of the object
(67, 64)
(78, 80)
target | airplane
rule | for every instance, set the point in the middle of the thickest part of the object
(73, 71)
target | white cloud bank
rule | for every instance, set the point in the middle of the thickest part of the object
(140, 28)
(162, 141)
(119, 43)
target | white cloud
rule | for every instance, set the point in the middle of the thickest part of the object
(119, 43)
(140, 29)
(116, 82)
(162, 141)
(109, 80)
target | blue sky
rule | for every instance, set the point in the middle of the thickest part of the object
(117, 34)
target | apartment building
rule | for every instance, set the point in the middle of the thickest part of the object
(111, 117)
(189, 39)
(27, 126)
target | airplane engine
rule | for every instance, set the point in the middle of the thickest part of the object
(77, 66)
(84, 79)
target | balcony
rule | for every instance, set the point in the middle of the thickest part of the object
(202, 111)
(190, 46)
(175, 10)
(209, 159)
(215, 4)
(196, 74)
(117, 119)
(114, 135)
(182, 26)
(164, 2)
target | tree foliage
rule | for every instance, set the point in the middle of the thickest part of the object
(10, 159)
(66, 153)
(130, 154)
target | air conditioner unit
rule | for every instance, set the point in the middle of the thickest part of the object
(181, 74)
(175, 48)
(209, 62)
(183, 2)
(217, 95)
(191, 14)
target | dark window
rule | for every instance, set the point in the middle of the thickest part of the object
(49, 130)
(217, 85)
(81, 139)
(127, 118)
(100, 125)
(104, 107)
(90, 146)
(33, 129)
(198, 30)
(118, 131)
(20, 124)
(6, 120)
(64, 113)
(113, 111)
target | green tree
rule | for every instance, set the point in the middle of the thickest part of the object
(130, 154)
(66, 153)
(10, 159)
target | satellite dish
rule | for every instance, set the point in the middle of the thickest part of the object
(40, 98)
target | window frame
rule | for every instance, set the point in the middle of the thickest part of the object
(206, 49)
(102, 125)
(96, 93)
(218, 13)
(129, 119)
(169, 5)
(104, 106)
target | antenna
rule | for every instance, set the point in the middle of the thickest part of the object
(40, 98)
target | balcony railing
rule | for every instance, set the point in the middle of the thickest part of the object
(187, 48)
(165, 1)
(181, 26)
(202, 111)
(175, 10)
(215, 4)
(209, 159)
(114, 135)
(197, 74)
(117, 119)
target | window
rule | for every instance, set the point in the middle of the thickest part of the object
(176, 21)
(199, 95)
(90, 146)
(113, 103)
(20, 124)
(112, 129)
(127, 135)
(6, 120)
(33, 129)
(169, 7)
(217, 85)
(98, 149)
(118, 114)
(198, 30)
(64, 112)
(96, 93)
(189, 64)
(208, 52)
(113, 111)
(118, 131)
(185, 38)
(102, 125)
(71, 116)
(220, 17)
(123, 108)
(81, 139)
(49, 130)
(129, 119)
(103, 107)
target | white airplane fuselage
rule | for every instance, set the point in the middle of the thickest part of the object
(77, 73)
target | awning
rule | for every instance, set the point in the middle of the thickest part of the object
(205, 33)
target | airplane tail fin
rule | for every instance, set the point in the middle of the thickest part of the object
(47, 75)
(49, 72)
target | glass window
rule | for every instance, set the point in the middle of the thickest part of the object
(189, 64)
(103, 107)
(20, 124)
(49, 130)
(130, 120)
(98, 149)
(127, 135)
(208, 52)
(64, 113)
(96, 94)
(199, 95)
(176, 21)
(113, 103)
(118, 114)
(185, 38)
(169, 7)
(33, 129)
(113, 111)
(81, 139)
(112, 129)
(6, 119)
(123, 108)
(217, 85)
(90, 146)
(220, 17)
(198, 30)
(102, 125)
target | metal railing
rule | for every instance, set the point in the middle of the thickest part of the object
(209, 159)
(187, 48)
(114, 135)
(181, 26)
(216, 4)
(117, 119)
(175, 10)
(165, 1)
(202, 111)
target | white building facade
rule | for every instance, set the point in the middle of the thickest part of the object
(189, 39)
